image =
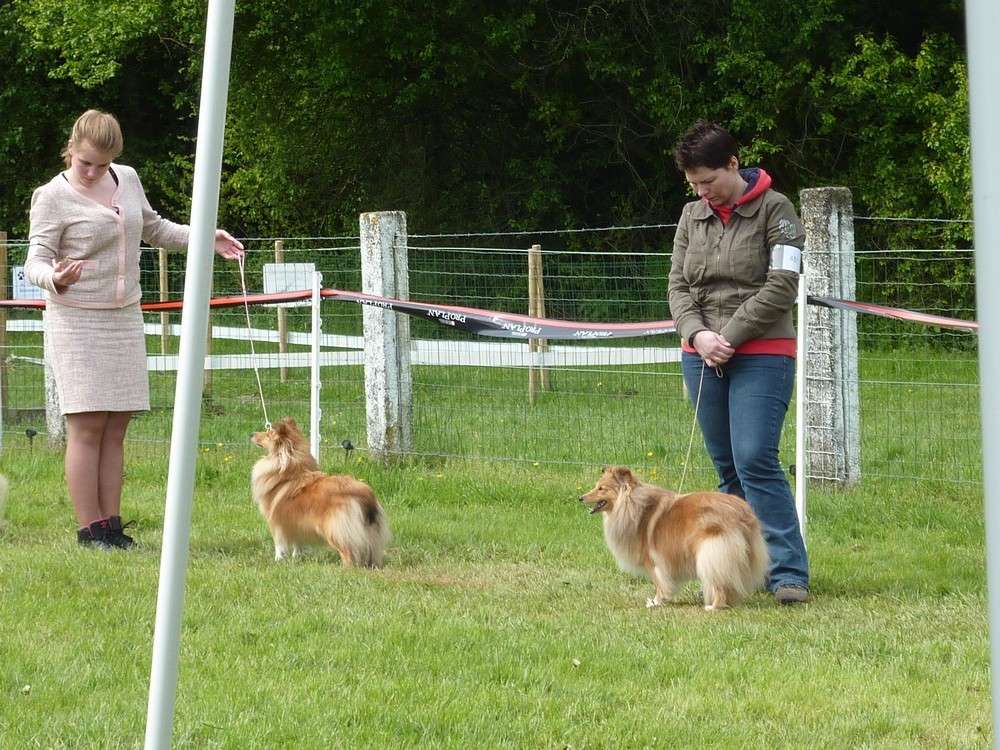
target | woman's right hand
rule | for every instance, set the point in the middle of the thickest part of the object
(713, 348)
(66, 272)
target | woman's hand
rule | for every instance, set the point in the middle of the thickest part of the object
(712, 347)
(66, 272)
(227, 246)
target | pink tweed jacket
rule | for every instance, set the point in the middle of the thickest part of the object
(66, 224)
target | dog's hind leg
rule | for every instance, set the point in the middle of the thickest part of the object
(281, 546)
(715, 597)
(345, 555)
(665, 587)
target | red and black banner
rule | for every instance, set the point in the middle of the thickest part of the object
(506, 325)
(511, 325)
(894, 312)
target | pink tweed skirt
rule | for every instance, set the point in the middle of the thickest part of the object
(98, 358)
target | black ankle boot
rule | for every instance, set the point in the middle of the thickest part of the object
(95, 535)
(116, 533)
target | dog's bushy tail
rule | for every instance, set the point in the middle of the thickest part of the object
(735, 562)
(364, 530)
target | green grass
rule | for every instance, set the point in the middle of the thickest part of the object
(499, 620)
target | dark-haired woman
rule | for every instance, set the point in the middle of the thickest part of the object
(733, 283)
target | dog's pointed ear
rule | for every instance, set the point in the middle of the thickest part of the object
(624, 475)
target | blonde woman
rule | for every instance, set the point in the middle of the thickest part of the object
(86, 226)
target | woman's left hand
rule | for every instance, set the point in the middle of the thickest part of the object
(227, 246)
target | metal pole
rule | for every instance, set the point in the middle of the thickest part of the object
(317, 333)
(982, 18)
(187, 401)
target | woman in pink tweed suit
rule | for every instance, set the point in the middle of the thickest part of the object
(86, 226)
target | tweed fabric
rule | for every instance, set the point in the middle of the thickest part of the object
(98, 358)
(66, 224)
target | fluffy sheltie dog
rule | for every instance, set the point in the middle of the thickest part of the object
(673, 538)
(304, 506)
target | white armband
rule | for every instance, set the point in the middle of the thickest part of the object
(786, 258)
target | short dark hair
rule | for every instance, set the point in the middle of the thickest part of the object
(705, 144)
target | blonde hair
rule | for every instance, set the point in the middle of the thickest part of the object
(99, 129)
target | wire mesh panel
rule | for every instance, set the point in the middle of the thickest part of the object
(585, 402)
(23, 382)
(919, 385)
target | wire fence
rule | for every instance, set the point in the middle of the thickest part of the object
(592, 403)
(919, 385)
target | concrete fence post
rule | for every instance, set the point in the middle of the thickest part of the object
(388, 380)
(55, 425)
(833, 413)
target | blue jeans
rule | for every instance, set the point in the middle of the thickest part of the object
(741, 414)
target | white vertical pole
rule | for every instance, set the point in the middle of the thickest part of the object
(800, 402)
(982, 18)
(317, 333)
(187, 400)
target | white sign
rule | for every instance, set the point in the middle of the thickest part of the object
(22, 288)
(289, 277)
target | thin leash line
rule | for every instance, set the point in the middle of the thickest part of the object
(694, 424)
(253, 353)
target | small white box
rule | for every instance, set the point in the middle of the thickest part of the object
(289, 277)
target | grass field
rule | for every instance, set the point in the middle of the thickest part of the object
(499, 620)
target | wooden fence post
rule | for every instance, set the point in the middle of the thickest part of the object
(207, 395)
(164, 296)
(4, 276)
(279, 257)
(536, 308)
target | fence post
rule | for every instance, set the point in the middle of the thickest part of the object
(55, 425)
(832, 405)
(279, 257)
(164, 296)
(533, 251)
(315, 374)
(206, 397)
(388, 381)
(536, 308)
(4, 276)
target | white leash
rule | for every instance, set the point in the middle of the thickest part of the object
(253, 353)
(694, 423)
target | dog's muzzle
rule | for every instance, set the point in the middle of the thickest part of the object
(596, 507)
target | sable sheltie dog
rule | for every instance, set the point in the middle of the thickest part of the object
(673, 538)
(304, 506)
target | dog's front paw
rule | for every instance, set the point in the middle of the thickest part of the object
(652, 602)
